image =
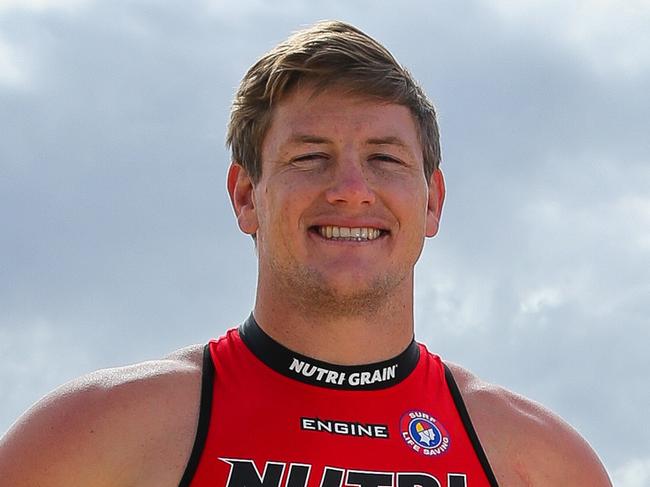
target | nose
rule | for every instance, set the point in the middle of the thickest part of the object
(350, 185)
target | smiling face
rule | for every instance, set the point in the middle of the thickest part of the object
(342, 206)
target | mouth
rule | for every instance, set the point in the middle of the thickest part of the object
(350, 234)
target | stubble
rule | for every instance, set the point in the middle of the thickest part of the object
(308, 291)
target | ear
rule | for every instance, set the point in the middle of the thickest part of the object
(436, 200)
(242, 197)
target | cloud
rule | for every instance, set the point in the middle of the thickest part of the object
(612, 36)
(636, 210)
(553, 284)
(35, 359)
(536, 300)
(122, 241)
(635, 473)
(43, 5)
(13, 72)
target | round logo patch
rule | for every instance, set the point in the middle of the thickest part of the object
(424, 434)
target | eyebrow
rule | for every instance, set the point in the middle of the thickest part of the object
(389, 140)
(308, 139)
(315, 139)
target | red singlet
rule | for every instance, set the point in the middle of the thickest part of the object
(273, 418)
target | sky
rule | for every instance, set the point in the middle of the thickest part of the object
(119, 245)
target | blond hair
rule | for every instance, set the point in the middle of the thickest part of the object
(329, 53)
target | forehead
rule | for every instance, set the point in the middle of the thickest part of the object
(339, 116)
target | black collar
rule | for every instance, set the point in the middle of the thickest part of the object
(316, 372)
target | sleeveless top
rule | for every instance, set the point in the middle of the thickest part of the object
(274, 418)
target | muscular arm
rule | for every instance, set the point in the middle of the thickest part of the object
(526, 444)
(128, 426)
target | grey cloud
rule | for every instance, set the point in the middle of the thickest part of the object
(123, 245)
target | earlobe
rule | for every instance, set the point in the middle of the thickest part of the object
(242, 197)
(436, 200)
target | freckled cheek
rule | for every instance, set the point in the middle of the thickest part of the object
(285, 210)
(410, 210)
(301, 190)
(409, 194)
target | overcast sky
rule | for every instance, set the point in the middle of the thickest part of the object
(118, 244)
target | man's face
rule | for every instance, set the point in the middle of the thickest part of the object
(342, 206)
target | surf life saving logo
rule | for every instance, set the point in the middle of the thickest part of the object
(424, 434)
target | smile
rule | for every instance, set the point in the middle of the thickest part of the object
(349, 233)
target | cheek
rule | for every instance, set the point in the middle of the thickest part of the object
(297, 194)
(282, 208)
(414, 211)
(411, 199)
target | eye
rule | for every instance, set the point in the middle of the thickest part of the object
(386, 158)
(308, 157)
(309, 161)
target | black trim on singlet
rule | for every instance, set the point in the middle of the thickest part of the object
(469, 427)
(205, 412)
(374, 376)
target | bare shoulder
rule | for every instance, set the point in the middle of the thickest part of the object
(526, 443)
(130, 425)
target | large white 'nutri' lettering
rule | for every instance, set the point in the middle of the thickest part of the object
(244, 473)
(354, 379)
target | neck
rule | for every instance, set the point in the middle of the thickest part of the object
(372, 376)
(346, 338)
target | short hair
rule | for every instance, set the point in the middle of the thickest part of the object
(329, 53)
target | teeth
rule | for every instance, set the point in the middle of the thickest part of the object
(347, 233)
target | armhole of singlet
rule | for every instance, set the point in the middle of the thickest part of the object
(469, 427)
(205, 412)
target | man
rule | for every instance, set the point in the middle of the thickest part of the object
(335, 176)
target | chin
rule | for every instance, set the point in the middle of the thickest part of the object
(345, 297)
